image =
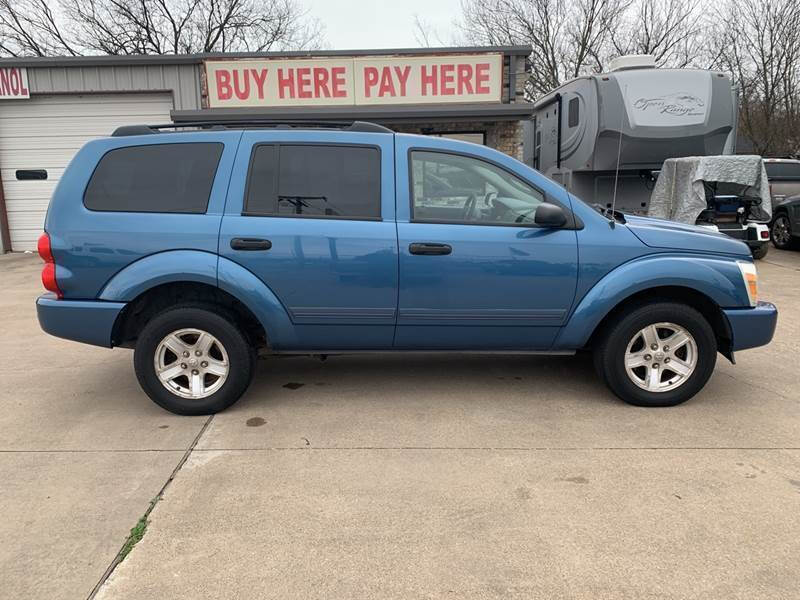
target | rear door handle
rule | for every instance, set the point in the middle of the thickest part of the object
(250, 244)
(429, 248)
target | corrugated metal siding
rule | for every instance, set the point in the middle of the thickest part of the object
(182, 80)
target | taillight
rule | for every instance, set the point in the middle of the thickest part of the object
(49, 271)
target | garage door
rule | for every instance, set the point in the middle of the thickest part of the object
(45, 132)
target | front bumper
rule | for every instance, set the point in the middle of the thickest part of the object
(752, 327)
(87, 321)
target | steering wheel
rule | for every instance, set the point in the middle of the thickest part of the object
(469, 207)
(487, 199)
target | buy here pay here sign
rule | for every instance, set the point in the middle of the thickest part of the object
(356, 81)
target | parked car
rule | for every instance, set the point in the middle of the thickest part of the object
(785, 226)
(784, 178)
(202, 249)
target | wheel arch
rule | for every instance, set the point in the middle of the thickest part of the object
(158, 298)
(708, 283)
(710, 310)
(203, 276)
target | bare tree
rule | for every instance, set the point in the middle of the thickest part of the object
(670, 30)
(569, 37)
(30, 27)
(756, 40)
(429, 36)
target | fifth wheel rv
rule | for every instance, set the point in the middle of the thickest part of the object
(632, 118)
(606, 138)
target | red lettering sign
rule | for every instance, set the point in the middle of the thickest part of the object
(440, 78)
(260, 77)
(465, 79)
(304, 82)
(370, 80)
(402, 77)
(13, 83)
(286, 83)
(339, 82)
(224, 91)
(429, 84)
(482, 78)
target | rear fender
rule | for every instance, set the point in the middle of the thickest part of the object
(157, 269)
(204, 267)
(718, 279)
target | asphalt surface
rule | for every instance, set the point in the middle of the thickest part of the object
(421, 476)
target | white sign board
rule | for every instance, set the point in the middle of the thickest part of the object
(14, 83)
(355, 81)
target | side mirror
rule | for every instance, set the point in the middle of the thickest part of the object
(549, 215)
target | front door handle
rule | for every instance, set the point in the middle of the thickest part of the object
(250, 244)
(429, 248)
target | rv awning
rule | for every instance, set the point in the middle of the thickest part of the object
(378, 114)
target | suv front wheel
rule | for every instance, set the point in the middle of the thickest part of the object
(659, 354)
(192, 361)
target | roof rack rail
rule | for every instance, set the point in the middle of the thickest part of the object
(358, 126)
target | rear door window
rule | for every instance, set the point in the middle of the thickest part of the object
(306, 180)
(160, 178)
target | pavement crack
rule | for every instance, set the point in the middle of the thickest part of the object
(127, 545)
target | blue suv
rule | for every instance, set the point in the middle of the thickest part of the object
(202, 249)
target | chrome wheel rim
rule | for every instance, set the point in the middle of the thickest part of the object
(780, 231)
(191, 363)
(661, 357)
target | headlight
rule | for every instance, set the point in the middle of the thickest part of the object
(750, 278)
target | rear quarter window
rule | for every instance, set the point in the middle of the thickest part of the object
(161, 178)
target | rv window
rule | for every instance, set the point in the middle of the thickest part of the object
(573, 112)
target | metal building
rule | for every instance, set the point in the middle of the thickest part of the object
(49, 107)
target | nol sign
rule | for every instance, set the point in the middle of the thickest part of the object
(355, 81)
(14, 83)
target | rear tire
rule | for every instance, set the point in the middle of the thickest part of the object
(192, 361)
(629, 339)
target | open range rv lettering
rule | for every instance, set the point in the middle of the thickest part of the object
(679, 104)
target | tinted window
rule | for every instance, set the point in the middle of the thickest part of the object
(167, 178)
(573, 112)
(460, 189)
(783, 170)
(315, 181)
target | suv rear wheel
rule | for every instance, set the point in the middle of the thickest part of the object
(659, 354)
(192, 361)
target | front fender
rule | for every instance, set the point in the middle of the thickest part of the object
(157, 269)
(717, 278)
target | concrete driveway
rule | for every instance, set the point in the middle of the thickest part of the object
(397, 477)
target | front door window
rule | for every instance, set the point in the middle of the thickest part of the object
(451, 188)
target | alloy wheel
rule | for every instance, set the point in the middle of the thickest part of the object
(191, 363)
(781, 232)
(661, 357)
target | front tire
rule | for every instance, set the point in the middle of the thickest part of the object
(192, 361)
(658, 354)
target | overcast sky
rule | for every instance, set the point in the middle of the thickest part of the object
(354, 24)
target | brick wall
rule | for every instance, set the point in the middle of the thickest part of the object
(505, 136)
